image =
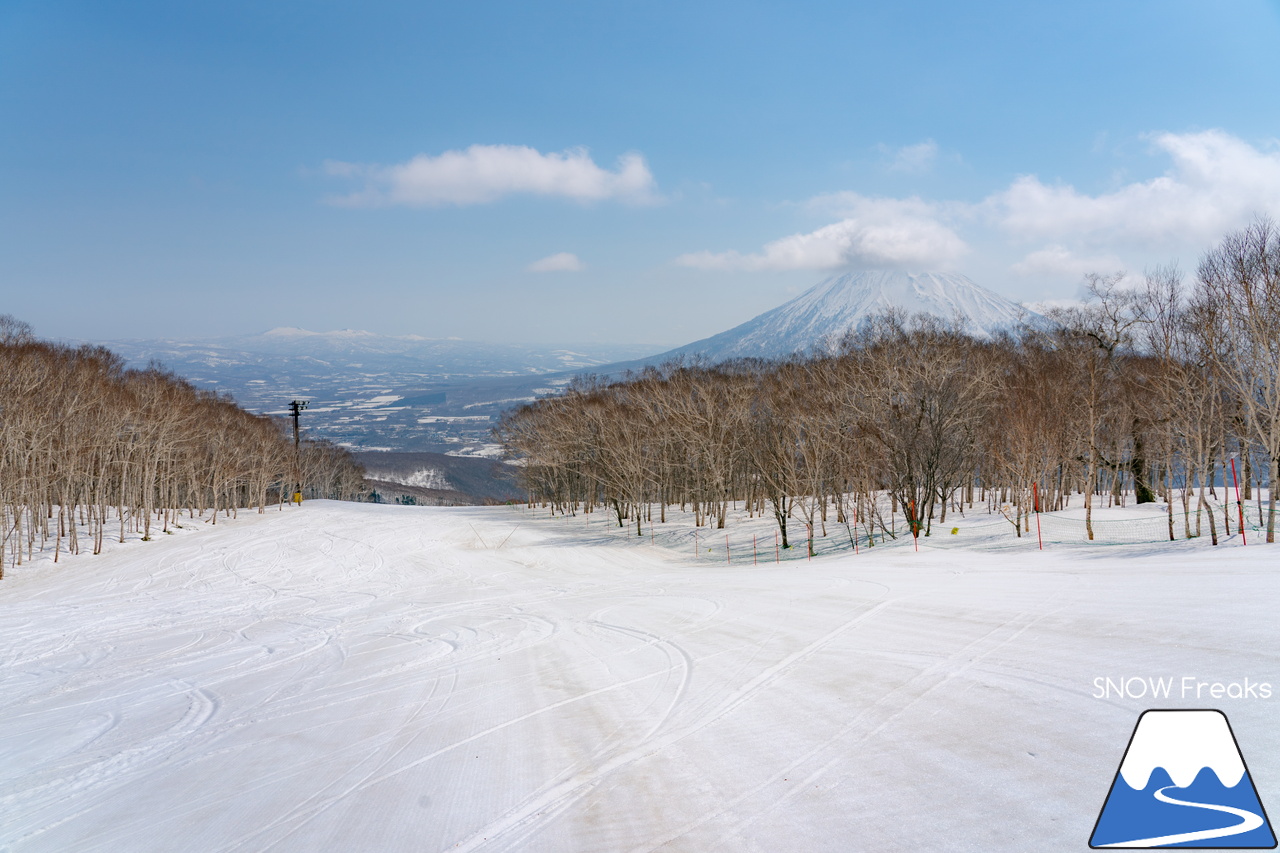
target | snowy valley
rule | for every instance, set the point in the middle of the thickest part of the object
(408, 393)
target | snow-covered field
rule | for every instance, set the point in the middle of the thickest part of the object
(346, 677)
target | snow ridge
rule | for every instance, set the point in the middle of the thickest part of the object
(820, 316)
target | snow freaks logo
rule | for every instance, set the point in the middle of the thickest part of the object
(1187, 687)
(1183, 783)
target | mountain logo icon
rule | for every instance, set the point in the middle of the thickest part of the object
(1183, 783)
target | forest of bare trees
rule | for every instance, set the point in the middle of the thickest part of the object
(89, 449)
(1150, 391)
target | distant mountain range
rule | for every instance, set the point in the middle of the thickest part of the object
(379, 391)
(410, 393)
(303, 352)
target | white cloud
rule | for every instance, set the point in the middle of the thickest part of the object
(559, 262)
(1214, 183)
(485, 173)
(1059, 261)
(913, 159)
(876, 232)
(1217, 183)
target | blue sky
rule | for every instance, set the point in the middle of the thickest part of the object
(631, 172)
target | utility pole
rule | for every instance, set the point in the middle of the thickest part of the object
(295, 409)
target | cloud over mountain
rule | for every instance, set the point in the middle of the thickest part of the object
(1214, 183)
(875, 232)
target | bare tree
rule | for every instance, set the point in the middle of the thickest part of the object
(85, 443)
(1239, 302)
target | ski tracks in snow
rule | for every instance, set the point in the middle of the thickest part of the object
(391, 678)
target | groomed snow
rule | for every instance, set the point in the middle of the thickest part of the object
(346, 677)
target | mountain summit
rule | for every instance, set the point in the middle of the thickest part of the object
(822, 314)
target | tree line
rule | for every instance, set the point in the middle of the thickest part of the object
(1152, 390)
(89, 449)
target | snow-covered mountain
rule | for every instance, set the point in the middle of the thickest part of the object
(820, 316)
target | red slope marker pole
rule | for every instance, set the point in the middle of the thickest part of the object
(755, 558)
(726, 550)
(911, 523)
(1243, 539)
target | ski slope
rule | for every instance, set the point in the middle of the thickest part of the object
(349, 677)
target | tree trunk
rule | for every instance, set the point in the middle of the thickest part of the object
(1138, 465)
